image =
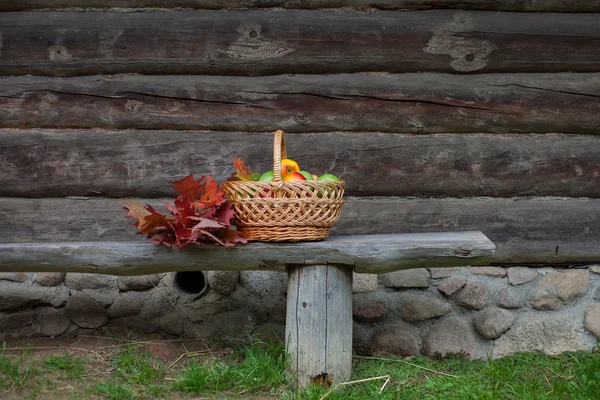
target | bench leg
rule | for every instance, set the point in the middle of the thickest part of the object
(318, 328)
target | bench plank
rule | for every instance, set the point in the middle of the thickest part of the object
(540, 230)
(367, 254)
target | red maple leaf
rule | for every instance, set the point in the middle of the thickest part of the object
(200, 214)
(210, 194)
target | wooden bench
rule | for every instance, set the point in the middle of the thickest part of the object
(319, 303)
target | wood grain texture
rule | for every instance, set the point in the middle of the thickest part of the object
(283, 41)
(319, 324)
(310, 314)
(368, 254)
(403, 103)
(59, 163)
(524, 230)
(485, 5)
(338, 362)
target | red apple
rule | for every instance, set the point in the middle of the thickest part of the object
(288, 166)
(293, 176)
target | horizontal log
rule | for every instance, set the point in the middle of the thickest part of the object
(276, 41)
(524, 230)
(365, 254)
(404, 103)
(60, 163)
(484, 5)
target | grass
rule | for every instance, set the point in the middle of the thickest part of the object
(258, 369)
(139, 369)
(15, 374)
(114, 391)
(71, 366)
(522, 377)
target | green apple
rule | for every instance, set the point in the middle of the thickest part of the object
(267, 176)
(328, 178)
(307, 175)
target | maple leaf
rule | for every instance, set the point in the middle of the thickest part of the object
(188, 187)
(242, 171)
(147, 218)
(225, 213)
(230, 237)
(204, 223)
(210, 194)
(200, 215)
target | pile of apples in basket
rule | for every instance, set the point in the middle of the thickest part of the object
(290, 172)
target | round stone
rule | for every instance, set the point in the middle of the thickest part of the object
(473, 296)
(493, 322)
(50, 278)
(53, 321)
(417, 307)
(85, 311)
(369, 313)
(451, 335)
(398, 340)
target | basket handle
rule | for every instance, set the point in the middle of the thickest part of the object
(279, 153)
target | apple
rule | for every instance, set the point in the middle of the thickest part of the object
(307, 175)
(328, 178)
(314, 177)
(266, 177)
(293, 176)
(289, 166)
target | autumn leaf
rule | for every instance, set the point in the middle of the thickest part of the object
(230, 237)
(225, 214)
(210, 194)
(203, 223)
(200, 214)
(242, 171)
(188, 187)
(147, 218)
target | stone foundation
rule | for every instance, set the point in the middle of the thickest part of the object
(478, 311)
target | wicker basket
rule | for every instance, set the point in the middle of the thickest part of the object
(280, 211)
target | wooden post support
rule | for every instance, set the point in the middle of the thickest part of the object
(318, 330)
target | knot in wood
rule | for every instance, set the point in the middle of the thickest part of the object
(58, 53)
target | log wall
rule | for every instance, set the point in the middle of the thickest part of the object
(295, 41)
(441, 115)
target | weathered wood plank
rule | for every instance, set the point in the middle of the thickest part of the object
(405, 103)
(310, 345)
(524, 230)
(338, 362)
(370, 254)
(274, 41)
(484, 5)
(59, 163)
(319, 324)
